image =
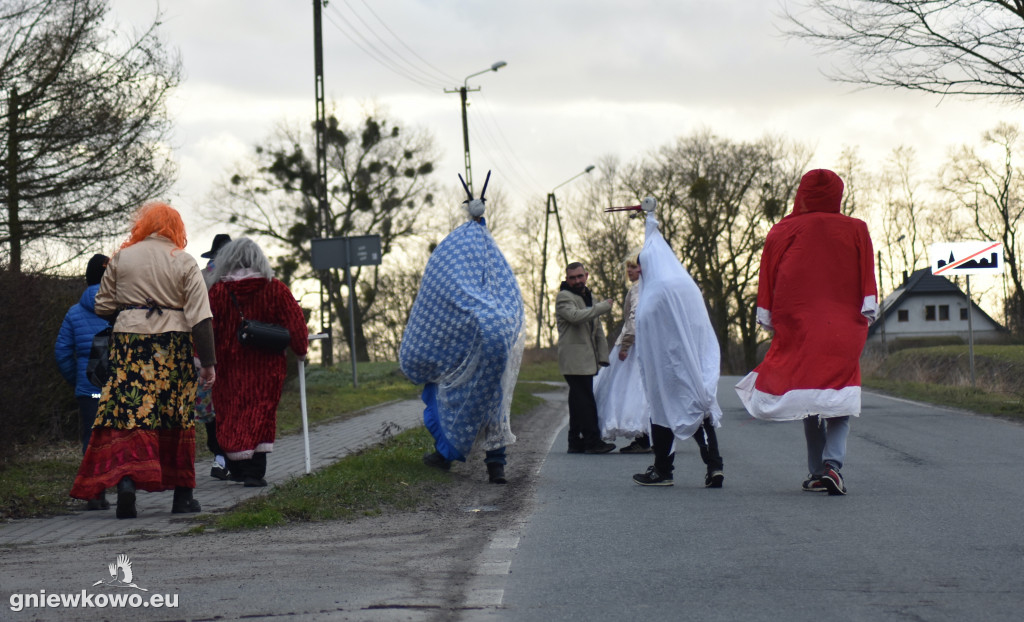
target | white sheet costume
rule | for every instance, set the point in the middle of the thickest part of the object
(676, 345)
(621, 404)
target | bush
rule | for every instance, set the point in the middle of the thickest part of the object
(38, 405)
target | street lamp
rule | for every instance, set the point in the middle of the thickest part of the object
(551, 208)
(462, 90)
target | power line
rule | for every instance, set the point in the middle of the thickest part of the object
(370, 50)
(521, 170)
(441, 74)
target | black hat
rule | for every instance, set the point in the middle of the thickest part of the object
(94, 271)
(218, 240)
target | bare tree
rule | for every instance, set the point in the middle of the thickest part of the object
(83, 118)
(989, 184)
(717, 199)
(378, 183)
(948, 47)
(905, 218)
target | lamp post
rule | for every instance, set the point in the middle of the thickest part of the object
(551, 208)
(462, 90)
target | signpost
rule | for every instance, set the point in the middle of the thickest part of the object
(346, 252)
(967, 258)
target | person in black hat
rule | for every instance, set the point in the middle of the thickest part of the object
(74, 341)
(219, 241)
(204, 402)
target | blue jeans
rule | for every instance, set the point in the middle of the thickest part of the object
(826, 442)
(87, 408)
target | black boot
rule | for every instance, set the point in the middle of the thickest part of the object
(496, 473)
(255, 469)
(183, 501)
(126, 498)
(437, 461)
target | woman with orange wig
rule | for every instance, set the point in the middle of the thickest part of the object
(144, 435)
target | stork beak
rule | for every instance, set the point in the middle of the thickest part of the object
(633, 208)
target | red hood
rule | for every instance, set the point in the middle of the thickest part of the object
(820, 190)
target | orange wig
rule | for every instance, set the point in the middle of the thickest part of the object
(159, 218)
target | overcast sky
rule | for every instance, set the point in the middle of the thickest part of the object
(584, 80)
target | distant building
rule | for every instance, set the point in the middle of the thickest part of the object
(927, 306)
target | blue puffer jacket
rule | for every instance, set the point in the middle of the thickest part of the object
(74, 341)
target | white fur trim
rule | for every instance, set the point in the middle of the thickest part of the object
(764, 318)
(798, 403)
(869, 308)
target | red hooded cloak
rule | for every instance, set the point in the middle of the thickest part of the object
(817, 292)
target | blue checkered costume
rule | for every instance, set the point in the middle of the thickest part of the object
(464, 340)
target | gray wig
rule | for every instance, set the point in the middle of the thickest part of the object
(240, 254)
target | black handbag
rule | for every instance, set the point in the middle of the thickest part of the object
(97, 370)
(261, 335)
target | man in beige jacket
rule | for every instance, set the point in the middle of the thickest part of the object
(581, 349)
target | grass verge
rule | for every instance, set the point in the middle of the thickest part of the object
(391, 475)
(387, 476)
(964, 398)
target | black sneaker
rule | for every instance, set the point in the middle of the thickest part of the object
(254, 482)
(636, 448)
(574, 449)
(833, 481)
(600, 447)
(813, 483)
(219, 472)
(714, 479)
(437, 461)
(652, 478)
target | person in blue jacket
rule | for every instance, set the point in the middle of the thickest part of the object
(74, 341)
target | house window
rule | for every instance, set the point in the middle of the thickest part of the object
(929, 313)
(963, 314)
(903, 315)
(943, 313)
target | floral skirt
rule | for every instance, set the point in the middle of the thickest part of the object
(144, 426)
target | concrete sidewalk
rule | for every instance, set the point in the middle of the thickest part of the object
(327, 444)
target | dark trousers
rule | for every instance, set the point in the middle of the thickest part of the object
(255, 467)
(211, 438)
(87, 407)
(664, 458)
(583, 429)
(496, 456)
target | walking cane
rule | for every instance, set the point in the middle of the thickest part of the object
(302, 400)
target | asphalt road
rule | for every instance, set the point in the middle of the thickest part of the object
(931, 528)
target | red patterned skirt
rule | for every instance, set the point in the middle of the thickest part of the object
(144, 427)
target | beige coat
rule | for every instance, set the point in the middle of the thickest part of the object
(153, 269)
(581, 342)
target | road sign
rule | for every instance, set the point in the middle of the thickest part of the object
(963, 258)
(345, 252)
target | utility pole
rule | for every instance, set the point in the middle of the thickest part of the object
(462, 91)
(551, 208)
(14, 222)
(324, 228)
